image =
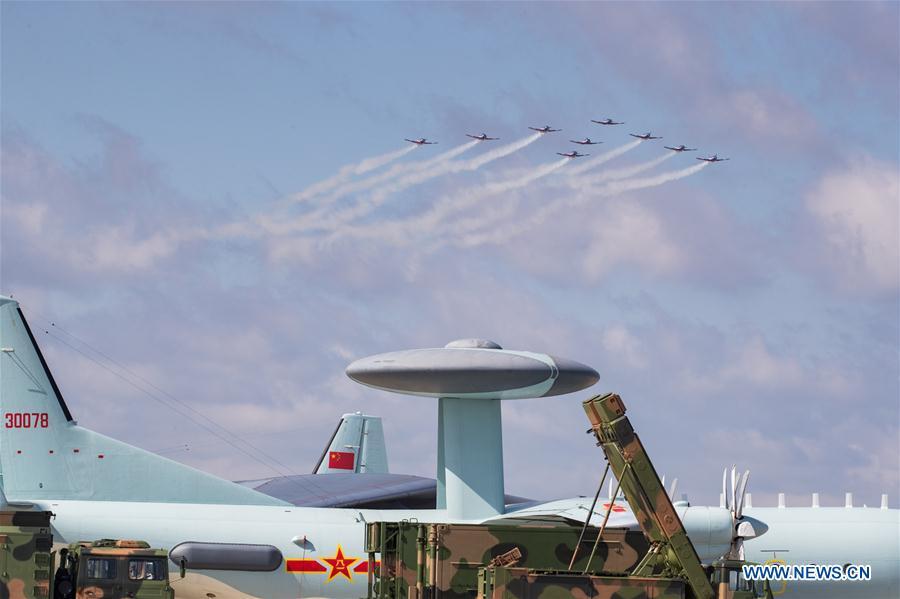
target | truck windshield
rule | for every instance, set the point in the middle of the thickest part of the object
(146, 569)
(101, 568)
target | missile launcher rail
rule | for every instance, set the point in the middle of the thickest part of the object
(547, 559)
(671, 552)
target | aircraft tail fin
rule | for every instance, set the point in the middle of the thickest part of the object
(357, 445)
(44, 454)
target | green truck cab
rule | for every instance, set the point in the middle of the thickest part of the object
(111, 569)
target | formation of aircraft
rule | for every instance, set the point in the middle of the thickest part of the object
(98, 487)
(544, 129)
(645, 136)
(713, 158)
(587, 141)
(482, 137)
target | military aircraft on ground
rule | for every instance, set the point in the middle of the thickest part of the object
(572, 154)
(240, 542)
(482, 137)
(645, 136)
(607, 122)
(680, 148)
(420, 142)
(544, 129)
(585, 142)
(713, 158)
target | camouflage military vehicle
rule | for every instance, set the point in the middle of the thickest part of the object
(546, 560)
(25, 545)
(109, 569)
(522, 583)
(445, 559)
(113, 570)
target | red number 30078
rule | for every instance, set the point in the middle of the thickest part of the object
(27, 420)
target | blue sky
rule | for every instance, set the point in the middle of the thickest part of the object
(747, 313)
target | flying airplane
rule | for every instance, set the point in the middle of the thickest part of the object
(544, 129)
(585, 142)
(572, 154)
(607, 122)
(482, 137)
(645, 136)
(680, 148)
(240, 542)
(713, 158)
(420, 142)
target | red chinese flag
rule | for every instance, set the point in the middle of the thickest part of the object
(341, 460)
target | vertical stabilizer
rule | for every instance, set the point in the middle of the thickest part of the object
(44, 454)
(357, 445)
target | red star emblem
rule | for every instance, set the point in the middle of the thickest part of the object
(340, 564)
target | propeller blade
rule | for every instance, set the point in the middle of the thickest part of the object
(733, 487)
(672, 489)
(742, 494)
(725, 488)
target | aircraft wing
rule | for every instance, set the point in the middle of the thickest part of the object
(575, 510)
(373, 491)
(351, 490)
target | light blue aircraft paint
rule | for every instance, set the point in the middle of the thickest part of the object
(129, 493)
(45, 454)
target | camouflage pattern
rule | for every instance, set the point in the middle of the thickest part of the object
(671, 554)
(445, 559)
(25, 564)
(139, 571)
(28, 569)
(531, 558)
(674, 554)
(521, 583)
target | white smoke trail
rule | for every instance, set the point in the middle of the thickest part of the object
(479, 161)
(350, 170)
(280, 224)
(381, 194)
(605, 157)
(365, 184)
(401, 231)
(620, 173)
(462, 227)
(370, 164)
(497, 236)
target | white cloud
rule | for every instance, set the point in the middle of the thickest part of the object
(618, 340)
(631, 233)
(30, 217)
(856, 209)
(117, 248)
(768, 114)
